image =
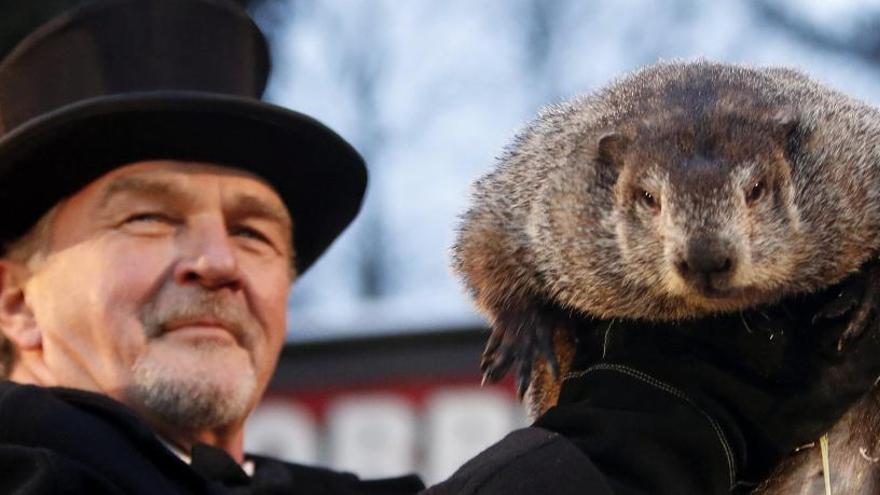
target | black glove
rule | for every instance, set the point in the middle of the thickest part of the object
(710, 405)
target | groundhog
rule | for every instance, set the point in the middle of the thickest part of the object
(680, 191)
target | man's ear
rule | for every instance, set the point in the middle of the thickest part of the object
(17, 320)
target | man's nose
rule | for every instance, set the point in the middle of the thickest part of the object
(208, 258)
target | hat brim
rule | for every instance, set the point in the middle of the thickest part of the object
(318, 175)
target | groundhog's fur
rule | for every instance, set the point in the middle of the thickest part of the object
(679, 191)
(854, 447)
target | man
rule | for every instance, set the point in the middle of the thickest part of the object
(155, 214)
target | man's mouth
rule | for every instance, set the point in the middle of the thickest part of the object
(202, 328)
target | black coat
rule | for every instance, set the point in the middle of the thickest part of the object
(60, 441)
(649, 443)
(63, 441)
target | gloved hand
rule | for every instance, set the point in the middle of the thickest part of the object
(730, 393)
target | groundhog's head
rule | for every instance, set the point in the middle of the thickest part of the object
(685, 210)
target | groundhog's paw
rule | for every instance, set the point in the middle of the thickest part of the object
(848, 297)
(519, 337)
(859, 298)
(861, 318)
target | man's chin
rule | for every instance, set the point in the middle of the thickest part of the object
(198, 386)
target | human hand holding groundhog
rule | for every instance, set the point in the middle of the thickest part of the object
(753, 386)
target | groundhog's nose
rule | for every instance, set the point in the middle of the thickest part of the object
(707, 264)
(703, 263)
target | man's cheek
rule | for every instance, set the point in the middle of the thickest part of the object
(270, 288)
(277, 325)
(133, 274)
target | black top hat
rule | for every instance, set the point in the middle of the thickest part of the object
(120, 81)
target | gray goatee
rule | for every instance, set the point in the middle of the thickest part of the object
(197, 400)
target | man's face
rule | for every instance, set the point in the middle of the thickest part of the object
(165, 287)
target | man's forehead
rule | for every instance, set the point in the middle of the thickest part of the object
(172, 170)
(174, 183)
(176, 178)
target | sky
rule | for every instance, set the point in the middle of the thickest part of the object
(430, 93)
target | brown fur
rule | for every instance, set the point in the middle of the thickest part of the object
(854, 447)
(563, 219)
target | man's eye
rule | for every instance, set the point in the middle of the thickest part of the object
(147, 217)
(249, 233)
(149, 223)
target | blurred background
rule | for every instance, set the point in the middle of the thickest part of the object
(380, 375)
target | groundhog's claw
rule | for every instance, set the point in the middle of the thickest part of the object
(861, 297)
(519, 336)
(870, 303)
(497, 357)
(848, 298)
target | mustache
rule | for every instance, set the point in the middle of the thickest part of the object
(164, 310)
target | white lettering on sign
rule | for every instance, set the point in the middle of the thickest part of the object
(284, 430)
(372, 435)
(460, 423)
(380, 434)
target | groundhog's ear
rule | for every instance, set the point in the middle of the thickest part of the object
(610, 146)
(789, 132)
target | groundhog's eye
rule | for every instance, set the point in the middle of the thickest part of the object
(755, 191)
(648, 199)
